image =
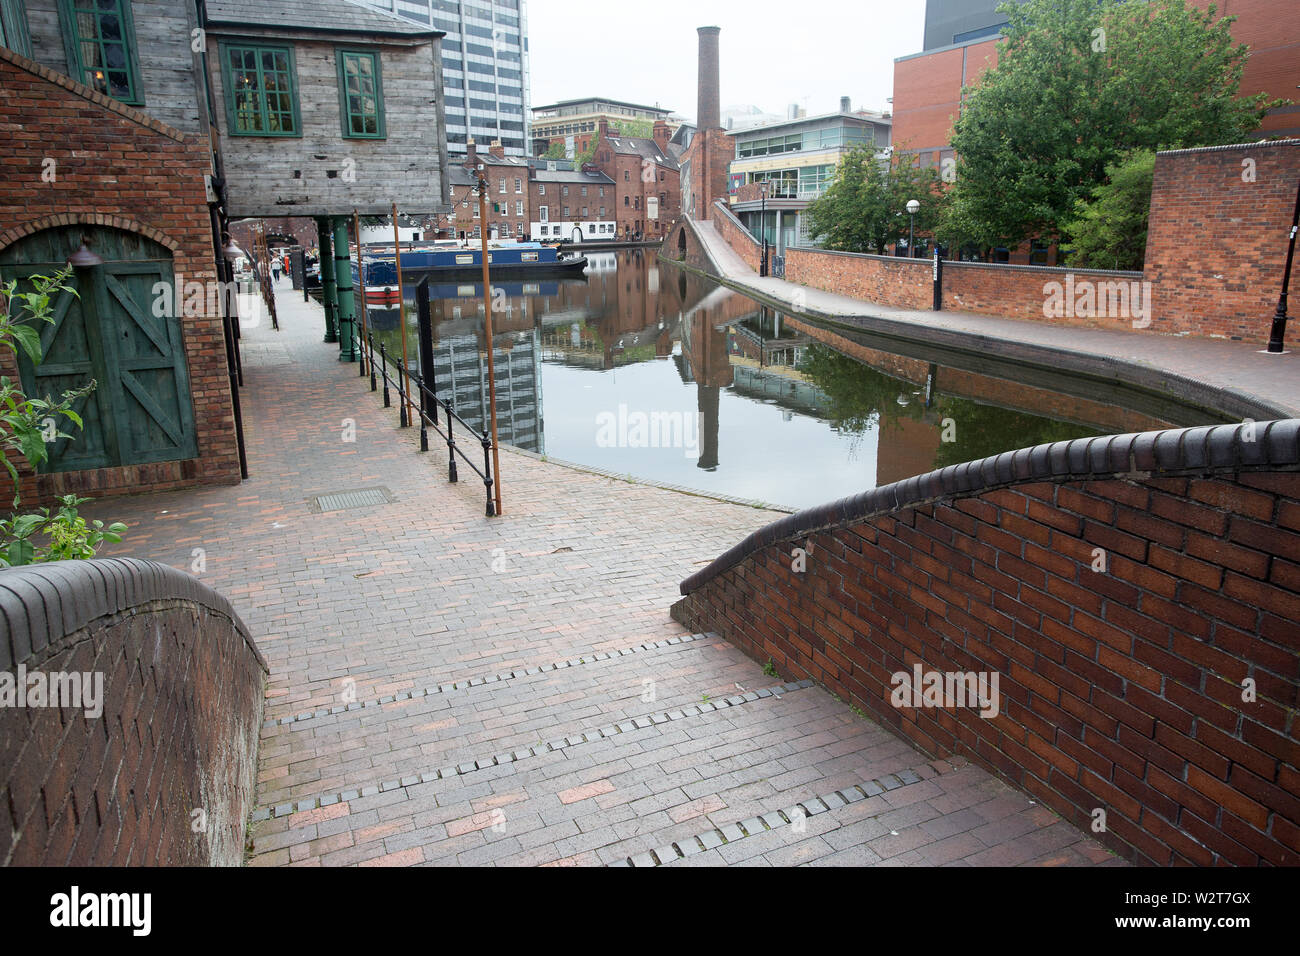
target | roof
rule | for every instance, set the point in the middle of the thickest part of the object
(458, 175)
(859, 117)
(644, 147)
(321, 16)
(595, 178)
(602, 99)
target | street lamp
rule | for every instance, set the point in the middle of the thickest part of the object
(762, 225)
(1278, 331)
(912, 208)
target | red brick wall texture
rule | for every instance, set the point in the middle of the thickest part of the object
(115, 166)
(1121, 689)
(176, 730)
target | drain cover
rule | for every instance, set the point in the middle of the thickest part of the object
(347, 500)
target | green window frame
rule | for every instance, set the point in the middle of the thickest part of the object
(261, 86)
(361, 94)
(99, 41)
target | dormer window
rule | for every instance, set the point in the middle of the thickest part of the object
(99, 40)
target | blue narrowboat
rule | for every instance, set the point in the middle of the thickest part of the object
(453, 260)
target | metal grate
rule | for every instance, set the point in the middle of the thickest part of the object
(347, 500)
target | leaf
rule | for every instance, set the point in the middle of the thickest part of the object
(30, 340)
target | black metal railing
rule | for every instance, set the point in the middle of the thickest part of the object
(400, 378)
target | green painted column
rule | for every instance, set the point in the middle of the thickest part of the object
(347, 301)
(329, 289)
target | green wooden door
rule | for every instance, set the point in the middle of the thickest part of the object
(141, 410)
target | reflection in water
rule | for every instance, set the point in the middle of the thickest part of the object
(809, 415)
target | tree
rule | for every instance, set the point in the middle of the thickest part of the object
(1110, 232)
(555, 150)
(1077, 84)
(864, 208)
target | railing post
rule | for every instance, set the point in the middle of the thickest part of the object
(487, 472)
(403, 417)
(370, 339)
(383, 357)
(361, 354)
(451, 448)
(424, 427)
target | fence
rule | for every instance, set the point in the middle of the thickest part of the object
(423, 400)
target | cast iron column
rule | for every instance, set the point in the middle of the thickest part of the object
(328, 288)
(347, 303)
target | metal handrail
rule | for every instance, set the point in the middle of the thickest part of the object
(428, 415)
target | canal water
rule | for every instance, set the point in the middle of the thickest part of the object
(642, 369)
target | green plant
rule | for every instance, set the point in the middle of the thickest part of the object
(1109, 231)
(27, 428)
(770, 669)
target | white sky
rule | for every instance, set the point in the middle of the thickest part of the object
(809, 52)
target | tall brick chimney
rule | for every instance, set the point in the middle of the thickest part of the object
(661, 135)
(497, 150)
(471, 154)
(708, 110)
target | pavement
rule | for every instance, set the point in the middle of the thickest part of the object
(447, 688)
(1246, 378)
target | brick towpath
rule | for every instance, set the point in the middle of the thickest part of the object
(451, 689)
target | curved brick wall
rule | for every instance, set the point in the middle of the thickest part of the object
(1120, 690)
(117, 778)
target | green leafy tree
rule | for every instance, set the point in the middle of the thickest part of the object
(555, 150)
(864, 207)
(1078, 83)
(1110, 231)
(28, 426)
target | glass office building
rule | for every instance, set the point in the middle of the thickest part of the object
(485, 68)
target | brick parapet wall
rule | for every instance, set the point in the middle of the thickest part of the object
(1120, 689)
(182, 702)
(737, 236)
(1217, 237)
(114, 166)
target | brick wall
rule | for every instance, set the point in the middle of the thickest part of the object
(904, 283)
(117, 167)
(182, 693)
(737, 236)
(1217, 243)
(1120, 689)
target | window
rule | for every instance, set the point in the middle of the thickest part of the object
(519, 207)
(541, 189)
(584, 192)
(564, 191)
(584, 212)
(544, 214)
(99, 40)
(566, 212)
(627, 201)
(602, 212)
(361, 94)
(626, 177)
(602, 192)
(476, 210)
(261, 99)
(13, 27)
(519, 186)
(501, 187)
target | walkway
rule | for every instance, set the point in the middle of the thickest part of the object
(1236, 367)
(452, 689)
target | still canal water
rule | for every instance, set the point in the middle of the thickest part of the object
(642, 369)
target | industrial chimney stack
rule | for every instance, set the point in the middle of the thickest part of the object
(708, 110)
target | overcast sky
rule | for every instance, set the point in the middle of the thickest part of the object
(809, 52)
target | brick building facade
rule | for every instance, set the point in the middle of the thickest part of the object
(79, 163)
(647, 175)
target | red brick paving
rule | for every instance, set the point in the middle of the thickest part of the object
(363, 605)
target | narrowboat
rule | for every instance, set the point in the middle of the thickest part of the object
(453, 260)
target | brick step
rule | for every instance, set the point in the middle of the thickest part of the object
(393, 739)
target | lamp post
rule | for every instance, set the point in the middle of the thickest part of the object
(762, 225)
(1278, 331)
(912, 208)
